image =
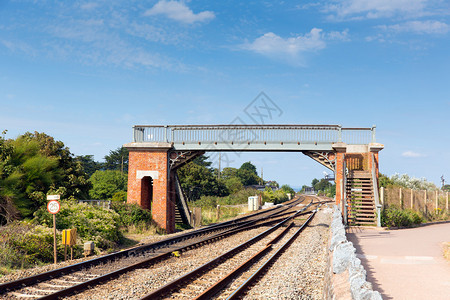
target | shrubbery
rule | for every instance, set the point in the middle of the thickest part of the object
(395, 217)
(240, 197)
(93, 223)
(23, 245)
(278, 196)
(133, 216)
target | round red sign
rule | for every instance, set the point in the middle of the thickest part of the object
(53, 206)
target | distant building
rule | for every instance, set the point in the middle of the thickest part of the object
(263, 187)
(309, 190)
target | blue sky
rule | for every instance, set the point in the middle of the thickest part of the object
(85, 72)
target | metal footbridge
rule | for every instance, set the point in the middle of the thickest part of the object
(251, 137)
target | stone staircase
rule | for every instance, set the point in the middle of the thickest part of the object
(360, 198)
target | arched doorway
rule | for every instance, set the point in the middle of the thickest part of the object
(146, 192)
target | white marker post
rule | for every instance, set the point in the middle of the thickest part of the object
(53, 207)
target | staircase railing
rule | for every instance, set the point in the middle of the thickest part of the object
(375, 191)
(183, 207)
(344, 191)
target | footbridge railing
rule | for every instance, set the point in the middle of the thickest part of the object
(252, 137)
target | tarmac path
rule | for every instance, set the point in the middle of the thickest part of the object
(405, 263)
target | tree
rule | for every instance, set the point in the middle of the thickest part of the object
(88, 163)
(117, 160)
(249, 166)
(197, 181)
(228, 173)
(8, 211)
(314, 182)
(304, 187)
(105, 184)
(247, 177)
(384, 180)
(287, 189)
(73, 181)
(233, 184)
(202, 161)
(26, 175)
(406, 181)
(322, 185)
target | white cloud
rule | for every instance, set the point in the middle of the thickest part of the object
(18, 46)
(412, 154)
(373, 9)
(292, 48)
(178, 11)
(270, 43)
(89, 6)
(420, 27)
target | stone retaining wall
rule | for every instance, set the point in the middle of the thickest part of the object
(346, 276)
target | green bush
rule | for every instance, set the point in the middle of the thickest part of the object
(395, 217)
(120, 196)
(132, 214)
(24, 245)
(240, 197)
(206, 201)
(93, 223)
(278, 196)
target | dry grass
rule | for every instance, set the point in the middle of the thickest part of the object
(209, 215)
(447, 251)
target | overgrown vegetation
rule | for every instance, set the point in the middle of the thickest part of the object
(30, 243)
(396, 217)
(93, 223)
(237, 203)
(406, 181)
(23, 245)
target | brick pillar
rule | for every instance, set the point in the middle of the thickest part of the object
(339, 177)
(340, 149)
(146, 165)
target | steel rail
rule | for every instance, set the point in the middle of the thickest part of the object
(160, 292)
(7, 287)
(114, 274)
(219, 285)
(20, 283)
(243, 287)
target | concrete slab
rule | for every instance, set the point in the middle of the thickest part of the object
(405, 263)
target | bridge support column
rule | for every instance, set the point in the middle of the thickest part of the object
(340, 149)
(148, 181)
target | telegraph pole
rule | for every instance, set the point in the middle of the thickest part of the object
(220, 157)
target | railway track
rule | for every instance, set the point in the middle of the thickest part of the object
(75, 278)
(237, 268)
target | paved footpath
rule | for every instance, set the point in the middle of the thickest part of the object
(405, 263)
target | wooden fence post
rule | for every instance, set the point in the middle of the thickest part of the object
(426, 208)
(446, 204)
(437, 201)
(218, 213)
(412, 206)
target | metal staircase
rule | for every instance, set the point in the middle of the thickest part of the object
(360, 198)
(182, 212)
